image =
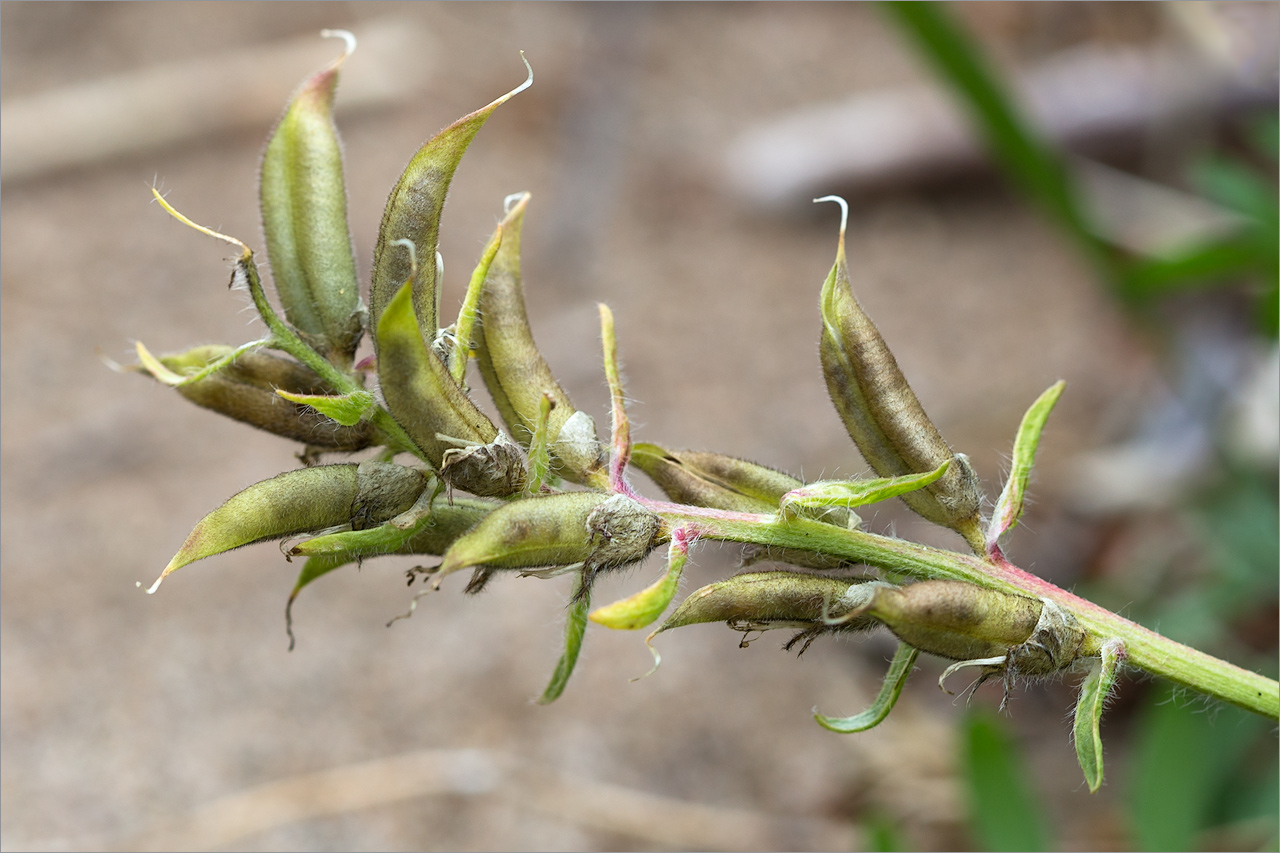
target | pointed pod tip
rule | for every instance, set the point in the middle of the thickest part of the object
(527, 83)
(844, 211)
(514, 200)
(346, 36)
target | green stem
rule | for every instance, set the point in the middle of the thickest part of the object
(1147, 650)
(287, 339)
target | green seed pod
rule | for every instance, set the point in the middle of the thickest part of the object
(245, 390)
(300, 501)
(515, 372)
(494, 470)
(591, 529)
(717, 481)
(304, 215)
(761, 601)
(420, 393)
(956, 620)
(882, 414)
(413, 213)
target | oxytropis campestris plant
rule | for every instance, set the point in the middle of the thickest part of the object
(545, 496)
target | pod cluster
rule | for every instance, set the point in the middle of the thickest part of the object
(536, 492)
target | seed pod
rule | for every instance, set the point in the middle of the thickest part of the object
(304, 215)
(956, 620)
(425, 399)
(596, 530)
(245, 390)
(882, 414)
(515, 372)
(717, 481)
(413, 213)
(761, 601)
(300, 501)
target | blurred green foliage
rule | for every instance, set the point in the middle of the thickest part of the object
(1198, 774)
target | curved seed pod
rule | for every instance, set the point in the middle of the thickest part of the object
(515, 372)
(596, 530)
(300, 501)
(413, 213)
(717, 481)
(304, 215)
(882, 414)
(761, 601)
(245, 390)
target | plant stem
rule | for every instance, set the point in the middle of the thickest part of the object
(1147, 650)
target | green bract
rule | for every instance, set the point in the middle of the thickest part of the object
(431, 442)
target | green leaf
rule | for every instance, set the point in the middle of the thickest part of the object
(539, 447)
(641, 609)
(1184, 760)
(1093, 697)
(1009, 507)
(899, 668)
(575, 627)
(852, 493)
(1014, 143)
(304, 215)
(1003, 811)
(465, 326)
(346, 409)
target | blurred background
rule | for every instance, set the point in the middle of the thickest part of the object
(1039, 191)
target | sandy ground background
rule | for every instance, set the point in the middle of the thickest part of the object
(182, 719)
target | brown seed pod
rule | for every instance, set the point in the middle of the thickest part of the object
(761, 601)
(244, 390)
(882, 414)
(717, 481)
(517, 375)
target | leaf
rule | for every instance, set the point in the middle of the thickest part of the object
(899, 668)
(641, 609)
(852, 493)
(467, 315)
(346, 409)
(1014, 143)
(1093, 697)
(575, 627)
(1009, 507)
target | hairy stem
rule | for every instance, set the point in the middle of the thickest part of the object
(1147, 650)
